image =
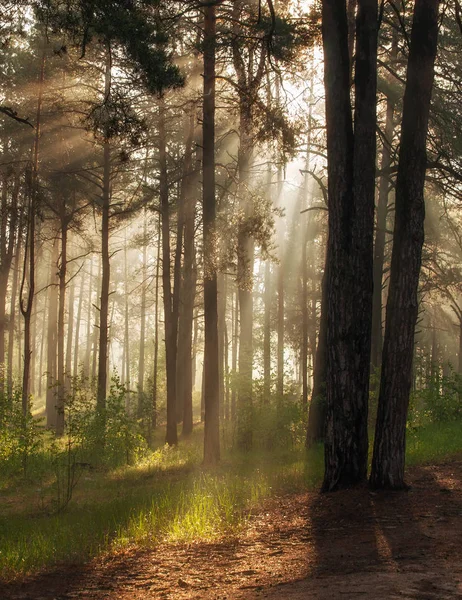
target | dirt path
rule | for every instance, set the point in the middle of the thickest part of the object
(347, 545)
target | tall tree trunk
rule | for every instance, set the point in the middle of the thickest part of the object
(13, 308)
(88, 340)
(234, 352)
(52, 338)
(211, 350)
(141, 367)
(105, 260)
(267, 335)
(95, 328)
(8, 224)
(318, 405)
(402, 305)
(170, 328)
(156, 330)
(126, 357)
(185, 325)
(61, 311)
(382, 211)
(351, 173)
(70, 330)
(78, 321)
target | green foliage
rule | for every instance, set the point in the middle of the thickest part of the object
(135, 26)
(123, 442)
(21, 438)
(439, 401)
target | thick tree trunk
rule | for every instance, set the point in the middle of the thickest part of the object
(351, 173)
(402, 305)
(211, 350)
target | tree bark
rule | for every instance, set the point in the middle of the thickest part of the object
(78, 321)
(105, 261)
(144, 275)
(211, 367)
(185, 325)
(351, 173)
(61, 310)
(380, 236)
(408, 236)
(170, 328)
(13, 309)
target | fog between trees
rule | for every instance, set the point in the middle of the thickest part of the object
(171, 177)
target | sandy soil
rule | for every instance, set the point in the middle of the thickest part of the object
(347, 545)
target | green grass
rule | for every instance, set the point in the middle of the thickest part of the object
(168, 496)
(433, 442)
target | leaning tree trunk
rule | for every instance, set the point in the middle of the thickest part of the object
(402, 305)
(211, 368)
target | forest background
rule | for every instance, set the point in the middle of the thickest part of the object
(164, 224)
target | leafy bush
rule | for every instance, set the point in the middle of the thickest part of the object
(439, 401)
(21, 437)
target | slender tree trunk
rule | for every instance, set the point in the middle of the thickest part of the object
(126, 361)
(382, 211)
(234, 352)
(267, 335)
(144, 275)
(95, 328)
(75, 369)
(185, 325)
(9, 215)
(170, 328)
(156, 331)
(52, 338)
(61, 310)
(211, 349)
(28, 278)
(70, 331)
(13, 308)
(318, 405)
(221, 287)
(402, 305)
(88, 340)
(105, 261)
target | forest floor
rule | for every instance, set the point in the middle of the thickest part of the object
(349, 545)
